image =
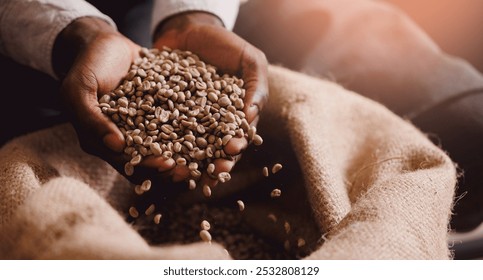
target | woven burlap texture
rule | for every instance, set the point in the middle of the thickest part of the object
(376, 186)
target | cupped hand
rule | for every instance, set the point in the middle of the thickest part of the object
(204, 35)
(95, 58)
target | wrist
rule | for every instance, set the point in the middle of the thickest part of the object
(75, 37)
(181, 22)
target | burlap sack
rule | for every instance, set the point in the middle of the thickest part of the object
(357, 183)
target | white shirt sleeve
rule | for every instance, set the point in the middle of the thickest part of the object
(28, 28)
(226, 10)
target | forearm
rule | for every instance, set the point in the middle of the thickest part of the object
(28, 29)
(225, 10)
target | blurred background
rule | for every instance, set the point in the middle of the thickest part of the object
(456, 25)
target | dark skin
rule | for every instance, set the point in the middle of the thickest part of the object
(95, 58)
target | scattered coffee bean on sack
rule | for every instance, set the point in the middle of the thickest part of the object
(182, 224)
(241, 205)
(276, 193)
(157, 218)
(286, 226)
(205, 225)
(205, 235)
(265, 171)
(276, 167)
(300, 242)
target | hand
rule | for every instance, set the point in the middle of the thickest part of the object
(95, 58)
(204, 35)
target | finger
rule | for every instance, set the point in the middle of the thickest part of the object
(158, 163)
(80, 94)
(235, 146)
(254, 73)
(180, 173)
(255, 121)
(153, 168)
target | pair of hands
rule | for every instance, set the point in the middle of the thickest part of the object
(95, 58)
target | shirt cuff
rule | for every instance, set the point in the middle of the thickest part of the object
(226, 10)
(28, 29)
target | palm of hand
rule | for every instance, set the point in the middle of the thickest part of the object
(98, 69)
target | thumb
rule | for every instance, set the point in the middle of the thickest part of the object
(254, 73)
(93, 127)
